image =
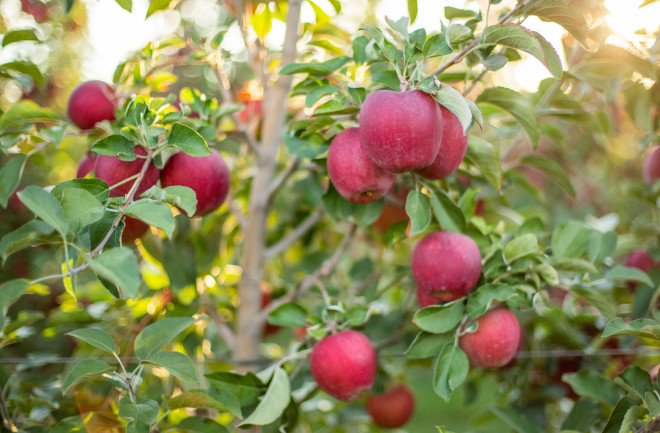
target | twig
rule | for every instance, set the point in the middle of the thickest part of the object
(308, 282)
(6, 416)
(474, 43)
(240, 216)
(224, 331)
(296, 234)
(283, 176)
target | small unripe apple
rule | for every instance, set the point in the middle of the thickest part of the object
(392, 409)
(495, 341)
(651, 164)
(452, 148)
(344, 365)
(446, 265)
(86, 165)
(112, 170)
(641, 260)
(401, 131)
(352, 172)
(208, 176)
(133, 229)
(91, 102)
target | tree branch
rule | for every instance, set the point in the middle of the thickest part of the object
(283, 176)
(295, 235)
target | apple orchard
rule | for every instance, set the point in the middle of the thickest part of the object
(315, 216)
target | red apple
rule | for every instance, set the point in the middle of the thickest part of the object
(651, 164)
(252, 109)
(496, 340)
(133, 229)
(92, 102)
(446, 265)
(112, 170)
(36, 8)
(352, 172)
(424, 300)
(393, 408)
(641, 260)
(344, 365)
(86, 165)
(401, 131)
(208, 176)
(452, 148)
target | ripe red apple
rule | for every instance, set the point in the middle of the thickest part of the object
(112, 170)
(641, 260)
(446, 265)
(133, 229)
(86, 165)
(651, 164)
(452, 148)
(36, 8)
(252, 109)
(393, 408)
(401, 131)
(352, 172)
(208, 176)
(90, 103)
(496, 340)
(424, 300)
(390, 215)
(344, 365)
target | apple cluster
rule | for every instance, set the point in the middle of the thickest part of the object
(95, 101)
(399, 132)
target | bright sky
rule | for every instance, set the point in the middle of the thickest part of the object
(110, 43)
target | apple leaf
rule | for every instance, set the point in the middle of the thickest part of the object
(427, 345)
(187, 139)
(30, 234)
(584, 414)
(644, 328)
(120, 267)
(176, 363)
(625, 273)
(550, 169)
(273, 403)
(155, 336)
(201, 424)
(516, 420)
(479, 300)
(522, 246)
(200, 400)
(153, 213)
(591, 384)
(453, 101)
(570, 239)
(83, 370)
(438, 319)
(449, 215)
(10, 176)
(145, 412)
(482, 154)
(19, 36)
(96, 337)
(45, 206)
(10, 292)
(418, 208)
(115, 145)
(562, 13)
(516, 105)
(289, 314)
(435, 46)
(180, 196)
(80, 208)
(601, 245)
(412, 10)
(451, 369)
(616, 421)
(96, 187)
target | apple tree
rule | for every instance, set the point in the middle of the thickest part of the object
(329, 227)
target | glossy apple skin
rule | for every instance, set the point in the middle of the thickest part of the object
(651, 164)
(392, 409)
(424, 300)
(401, 131)
(91, 102)
(352, 172)
(133, 230)
(344, 365)
(446, 265)
(208, 176)
(452, 148)
(112, 170)
(86, 165)
(496, 340)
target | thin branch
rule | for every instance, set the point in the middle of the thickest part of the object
(283, 176)
(224, 331)
(240, 216)
(474, 43)
(308, 282)
(294, 236)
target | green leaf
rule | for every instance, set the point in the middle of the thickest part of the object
(601, 245)
(176, 363)
(312, 68)
(551, 169)
(619, 413)
(400, 26)
(518, 37)
(365, 214)
(516, 105)
(479, 301)
(180, 261)
(95, 187)
(426, 345)
(45, 206)
(317, 93)
(645, 328)
(584, 414)
(635, 380)
(158, 5)
(201, 424)
(457, 33)
(10, 176)
(418, 208)
(80, 208)
(30, 234)
(482, 154)
(412, 10)
(557, 11)
(96, 337)
(153, 213)
(449, 215)
(273, 403)
(180, 196)
(289, 314)
(246, 388)
(435, 46)
(438, 319)
(455, 102)
(27, 68)
(591, 384)
(120, 267)
(10, 292)
(334, 108)
(125, 4)
(99, 230)
(451, 369)
(477, 116)
(522, 246)
(73, 424)
(337, 206)
(187, 139)
(145, 412)
(200, 400)
(19, 36)
(115, 145)
(624, 273)
(453, 13)
(516, 420)
(155, 336)
(25, 112)
(84, 370)
(304, 148)
(570, 239)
